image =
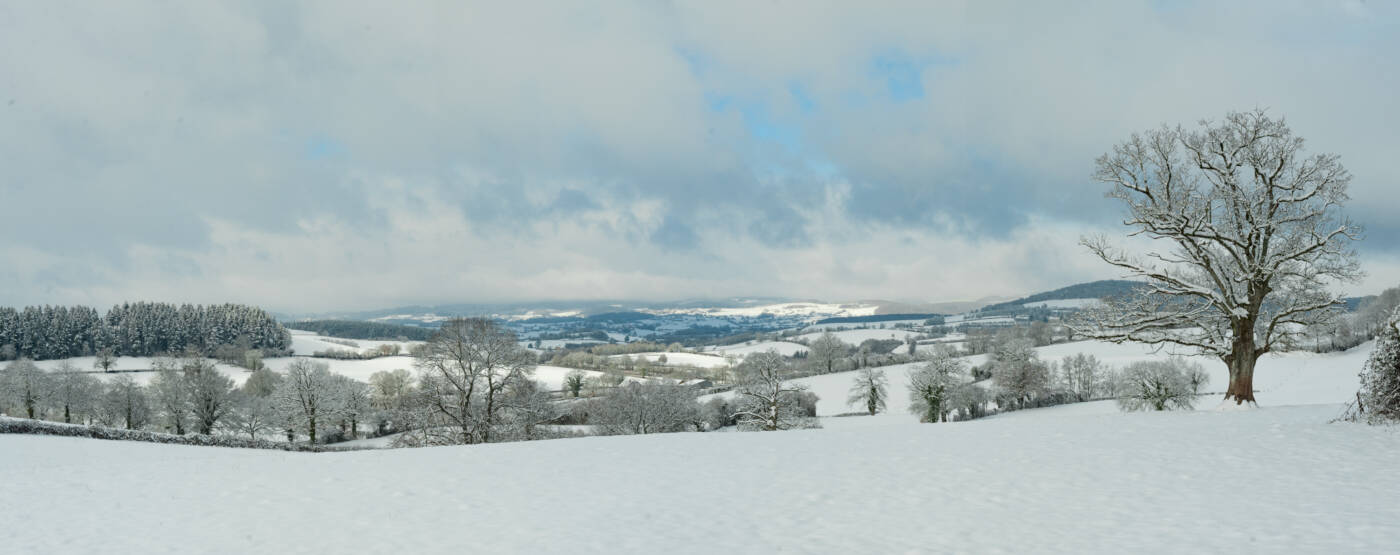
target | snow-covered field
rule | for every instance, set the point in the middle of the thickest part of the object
(855, 337)
(306, 343)
(697, 360)
(1070, 479)
(785, 348)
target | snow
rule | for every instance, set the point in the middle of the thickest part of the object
(1070, 479)
(553, 376)
(697, 360)
(1062, 303)
(1274, 480)
(855, 337)
(785, 348)
(307, 343)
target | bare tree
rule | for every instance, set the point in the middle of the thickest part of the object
(125, 402)
(1019, 372)
(171, 394)
(211, 391)
(73, 392)
(25, 384)
(106, 359)
(870, 388)
(355, 402)
(1256, 239)
(307, 396)
(1160, 385)
(646, 409)
(465, 370)
(825, 351)
(1083, 376)
(764, 401)
(252, 415)
(931, 385)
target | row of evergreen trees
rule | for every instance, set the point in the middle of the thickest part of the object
(136, 329)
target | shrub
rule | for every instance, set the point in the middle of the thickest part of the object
(1161, 385)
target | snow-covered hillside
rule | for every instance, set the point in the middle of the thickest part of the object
(785, 348)
(1275, 480)
(1069, 479)
(855, 337)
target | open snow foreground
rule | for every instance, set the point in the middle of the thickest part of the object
(1076, 478)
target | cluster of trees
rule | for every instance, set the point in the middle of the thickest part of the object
(135, 329)
(357, 329)
(384, 350)
(187, 394)
(1368, 322)
(828, 353)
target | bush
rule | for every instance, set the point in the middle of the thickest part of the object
(1161, 385)
(1378, 401)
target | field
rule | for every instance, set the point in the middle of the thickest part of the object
(1067, 479)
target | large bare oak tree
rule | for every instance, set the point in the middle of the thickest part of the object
(1256, 241)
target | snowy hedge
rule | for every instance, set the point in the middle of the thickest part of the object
(1378, 401)
(39, 427)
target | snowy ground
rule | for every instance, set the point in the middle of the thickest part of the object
(306, 343)
(855, 337)
(1071, 479)
(697, 360)
(785, 348)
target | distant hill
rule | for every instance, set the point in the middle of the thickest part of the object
(1091, 290)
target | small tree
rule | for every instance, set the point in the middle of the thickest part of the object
(355, 402)
(210, 391)
(871, 388)
(825, 351)
(573, 382)
(171, 394)
(308, 396)
(261, 383)
(931, 385)
(252, 415)
(106, 359)
(1019, 372)
(764, 401)
(1160, 385)
(74, 393)
(26, 385)
(125, 402)
(1083, 376)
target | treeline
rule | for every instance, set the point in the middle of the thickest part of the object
(352, 329)
(938, 318)
(136, 329)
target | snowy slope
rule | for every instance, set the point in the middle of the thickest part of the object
(1070, 479)
(677, 359)
(1274, 480)
(855, 337)
(785, 348)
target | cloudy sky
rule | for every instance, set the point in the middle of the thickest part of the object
(342, 155)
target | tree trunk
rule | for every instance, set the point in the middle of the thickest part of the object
(1241, 379)
(67, 415)
(312, 422)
